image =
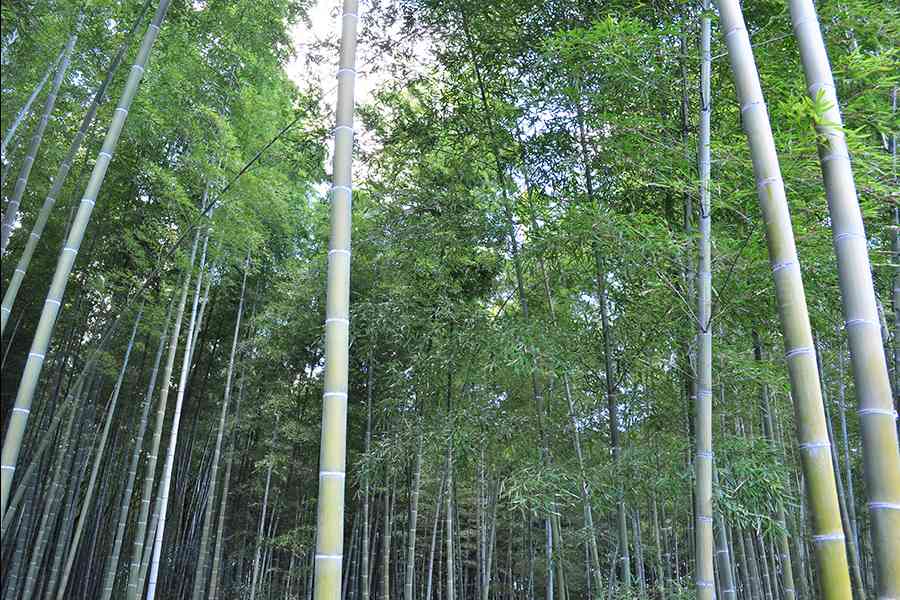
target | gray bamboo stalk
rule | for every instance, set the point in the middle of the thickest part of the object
(386, 548)
(76, 477)
(37, 230)
(434, 532)
(828, 536)
(18, 420)
(260, 533)
(413, 517)
(223, 505)
(26, 108)
(200, 576)
(12, 209)
(136, 587)
(703, 507)
(109, 578)
(165, 481)
(95, 468)
(370, 381)
(881, 457)
(856, 579)
(660, 568)
(25, 530)
(451, 595)
(723, 554)
(332, 458)
(842, 405)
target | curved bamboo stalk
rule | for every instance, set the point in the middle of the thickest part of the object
(12, 443)
(37, 230)
(881, 457)
(828, 536)
(332, 457)
(12, 209)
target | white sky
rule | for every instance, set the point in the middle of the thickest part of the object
(324, 25)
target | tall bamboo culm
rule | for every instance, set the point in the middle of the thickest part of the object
(23, 112)
(18, 420)
(162, 501)
(881, 457)
(332, 457)
(109, 577)
(135, 585)
(12, 209)
(37, 230)
(828, 536)
(202, 561)
(703, 525)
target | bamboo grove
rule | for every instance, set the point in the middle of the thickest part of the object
(620, 318)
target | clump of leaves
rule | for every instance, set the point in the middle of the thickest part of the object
(539, 489)
(752, 482)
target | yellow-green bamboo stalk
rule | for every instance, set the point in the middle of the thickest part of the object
(704, 578)
(828, 536)
(18, 420)
(332, 457)
(881, 458)
(37, 230)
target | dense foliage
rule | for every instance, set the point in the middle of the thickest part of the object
(523, 277)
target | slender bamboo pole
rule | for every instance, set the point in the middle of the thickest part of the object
(332, 457)
(828, 535)
(881, 457)
(703, 508)
(202, 561)
(135, 581)
(370, 381)
(95, 468)
(18, 420)
(214, 577)
(409, 584)
(26, 108)
(12, 209)
(260, 533)
(165, 481)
